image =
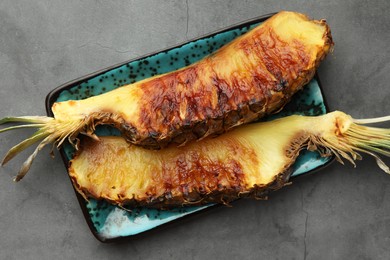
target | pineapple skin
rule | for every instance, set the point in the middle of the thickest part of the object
(252, 76)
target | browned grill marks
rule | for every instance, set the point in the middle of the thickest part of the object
(173, 106)
(192, 177)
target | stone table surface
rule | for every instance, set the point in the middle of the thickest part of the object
(337, 213)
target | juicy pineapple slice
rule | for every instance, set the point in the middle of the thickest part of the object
(254, 75)
(246, 162)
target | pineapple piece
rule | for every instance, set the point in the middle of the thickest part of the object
(248, 161)
(254, 75)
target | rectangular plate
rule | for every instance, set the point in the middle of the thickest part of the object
(108, 222)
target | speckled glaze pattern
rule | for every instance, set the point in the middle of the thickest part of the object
(108, 221)
(156, 64)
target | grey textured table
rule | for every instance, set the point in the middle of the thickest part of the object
(338, 213)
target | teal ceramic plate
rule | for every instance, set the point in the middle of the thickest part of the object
(108, 222)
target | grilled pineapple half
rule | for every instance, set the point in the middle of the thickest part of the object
(252, 76)
(248, 161)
